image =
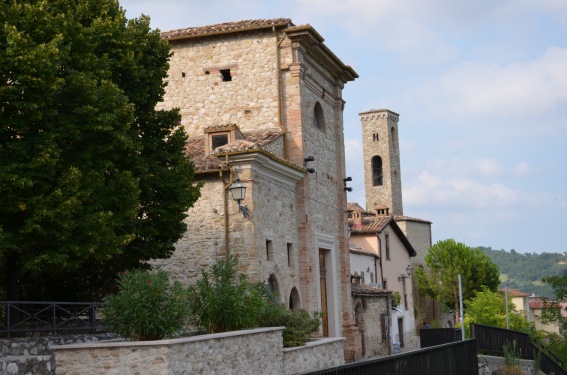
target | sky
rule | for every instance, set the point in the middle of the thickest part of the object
(481, 90)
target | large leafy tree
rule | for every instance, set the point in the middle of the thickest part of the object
(445, 261)
(93, 179)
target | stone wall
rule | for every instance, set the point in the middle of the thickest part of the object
(256, 351)
(33, 355)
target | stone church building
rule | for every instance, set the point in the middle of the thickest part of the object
(262, 104)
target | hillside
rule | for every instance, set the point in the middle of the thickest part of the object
(525, 271)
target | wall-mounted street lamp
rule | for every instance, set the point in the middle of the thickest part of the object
(409, 268)
(345, 180)
(238, 192)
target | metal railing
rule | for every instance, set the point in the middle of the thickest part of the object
(25, 317)
(458, 358)
(438, 336)
(491, 340)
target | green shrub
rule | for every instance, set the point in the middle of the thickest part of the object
(396, 299)
(147, 306)
(223, 301)
(299, 325)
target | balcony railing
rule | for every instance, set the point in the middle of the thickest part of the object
(19, 318)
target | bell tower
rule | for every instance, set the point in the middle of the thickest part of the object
(382, 174)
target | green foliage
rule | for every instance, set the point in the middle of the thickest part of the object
(445, 261)
(511, 355)
(223, 300)
(146, 306)
(552, 311)
(525, 271)
(489, 308)
(299, 325)
(93, 179)
(396, 299)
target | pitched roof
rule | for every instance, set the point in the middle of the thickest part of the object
(226, 28)
(408, 218)
(358, 250)
(368, 290)
(252, 141)
(515, 293)
(377, 224)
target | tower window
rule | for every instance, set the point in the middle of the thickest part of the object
(375, 137)
(318, 118)
(225, 74)
(387, 246)
(377, 173)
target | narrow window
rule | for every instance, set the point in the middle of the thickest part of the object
(225, 74)
(375, 137)
(290, 255)
(273, 286)
(318, 117)
(269, 250)
(372, 277)
(377, 173)
(387, 246)
(383, 322)
(385, 286)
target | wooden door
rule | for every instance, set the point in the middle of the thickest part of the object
(323, 284)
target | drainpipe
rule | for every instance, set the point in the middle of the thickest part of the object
(389, 301)
(225, 199)
(278, 85)
(380, 259)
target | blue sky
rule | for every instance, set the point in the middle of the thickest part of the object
(481, 89)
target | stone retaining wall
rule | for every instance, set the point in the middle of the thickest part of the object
(255, 351)
(32, 355)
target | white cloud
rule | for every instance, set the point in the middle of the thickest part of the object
(487, 89)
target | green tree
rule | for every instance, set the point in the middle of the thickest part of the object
(445, 261)
(552, 311)
(489, 308)
(93, 179)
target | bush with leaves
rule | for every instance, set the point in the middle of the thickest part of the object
(147, 306)
(223, 300)
(299, 324)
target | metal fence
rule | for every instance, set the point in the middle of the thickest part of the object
(492, 340)
(20, 318)
(438, 336)
(458, 358)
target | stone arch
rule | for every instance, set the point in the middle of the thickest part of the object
(294, 300)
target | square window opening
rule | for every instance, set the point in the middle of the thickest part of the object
(225, 74)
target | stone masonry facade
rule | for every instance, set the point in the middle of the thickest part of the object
(274, 91)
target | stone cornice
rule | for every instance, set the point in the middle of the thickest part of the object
(379, 113)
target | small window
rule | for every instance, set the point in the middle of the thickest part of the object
(218, 140)
(383, 326)
(269, 250)
(375, 137)
(387, 246)
(290, 255)
(225, 74)
(318, 117)
(385, 286)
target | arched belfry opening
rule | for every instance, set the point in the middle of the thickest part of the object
(377, 171)
(318, 117)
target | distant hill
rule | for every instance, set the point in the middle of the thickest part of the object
(525, 271)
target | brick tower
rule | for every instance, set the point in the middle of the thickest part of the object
(382, 174)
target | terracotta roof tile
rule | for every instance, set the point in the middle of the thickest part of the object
(372, 224)
(224, 28)
(195, 150)
(408, 218)
(360, 251)
(368, 290)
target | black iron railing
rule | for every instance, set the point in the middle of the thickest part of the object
(438, 336)
(491, 340)
(25, 317)
(458, 358)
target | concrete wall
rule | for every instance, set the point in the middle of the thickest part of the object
(256, 351)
